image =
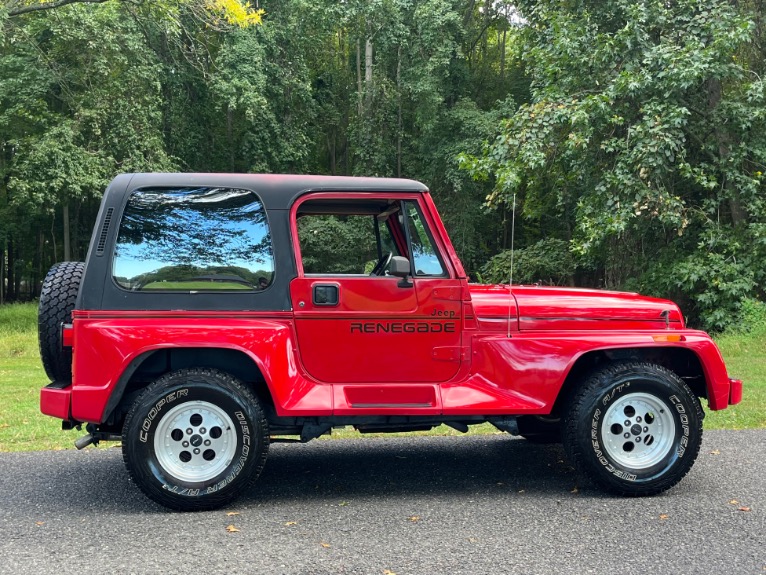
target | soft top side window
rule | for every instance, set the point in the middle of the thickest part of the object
(193, 239)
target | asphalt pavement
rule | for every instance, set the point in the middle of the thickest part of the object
(414, 505)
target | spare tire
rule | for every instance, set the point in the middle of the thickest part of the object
(57, 300)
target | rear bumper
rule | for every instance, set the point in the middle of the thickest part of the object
(735, 391)
(56, 399)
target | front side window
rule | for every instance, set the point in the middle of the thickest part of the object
(427, 261)
(342, 243)
(193, 239)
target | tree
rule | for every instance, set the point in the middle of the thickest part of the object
(645, 135)
(68, 123)
(388, 87)
(231, 12)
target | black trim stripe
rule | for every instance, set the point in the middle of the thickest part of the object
(499, 319)
(565, 318)
(186, 315)
(400, 316)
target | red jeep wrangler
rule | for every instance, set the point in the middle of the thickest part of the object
(213, 316)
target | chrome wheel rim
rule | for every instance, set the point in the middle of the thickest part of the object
(638, 431)
(195, 441)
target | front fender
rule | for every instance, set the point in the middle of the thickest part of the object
(530, 368)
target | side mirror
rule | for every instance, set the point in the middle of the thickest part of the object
(399, 267)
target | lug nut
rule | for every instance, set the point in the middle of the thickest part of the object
(185, 444)
(189, 431)
(196, 451)
(627, 423)
(638, 419)
(207, 442)
(202, 430)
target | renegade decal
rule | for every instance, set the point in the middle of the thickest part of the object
(403, 327)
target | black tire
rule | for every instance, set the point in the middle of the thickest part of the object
(57, 300)
(633, 428)
(215, 439)
(539, 429)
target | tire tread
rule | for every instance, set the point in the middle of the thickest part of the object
(58, 297)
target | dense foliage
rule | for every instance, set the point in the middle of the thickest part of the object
(643, 147)
(631, 134)
(384, 87)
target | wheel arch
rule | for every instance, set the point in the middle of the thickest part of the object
(682, 361)
(152, 364)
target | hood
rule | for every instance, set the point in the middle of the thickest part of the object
(544, 308)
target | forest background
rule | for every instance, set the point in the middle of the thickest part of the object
(632, 135)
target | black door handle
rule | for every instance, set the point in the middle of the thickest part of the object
(324, 294)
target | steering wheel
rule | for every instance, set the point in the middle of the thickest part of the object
(382, 264)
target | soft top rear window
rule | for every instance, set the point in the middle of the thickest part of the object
(193, 239)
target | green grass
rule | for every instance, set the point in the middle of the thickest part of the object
(24, 428)
(745, 356)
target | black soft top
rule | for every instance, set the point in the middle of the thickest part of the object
(278, 191)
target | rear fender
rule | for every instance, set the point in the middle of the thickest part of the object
(110, 352)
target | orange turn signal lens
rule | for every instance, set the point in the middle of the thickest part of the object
(668, 337)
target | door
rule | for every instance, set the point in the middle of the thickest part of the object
(355, 322)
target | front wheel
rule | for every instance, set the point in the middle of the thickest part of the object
(194, 439)
(634, 428)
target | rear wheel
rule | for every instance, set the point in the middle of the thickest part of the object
(195, 439)
(634, 428)
(57, 300)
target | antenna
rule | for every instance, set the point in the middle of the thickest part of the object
(510, 280)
